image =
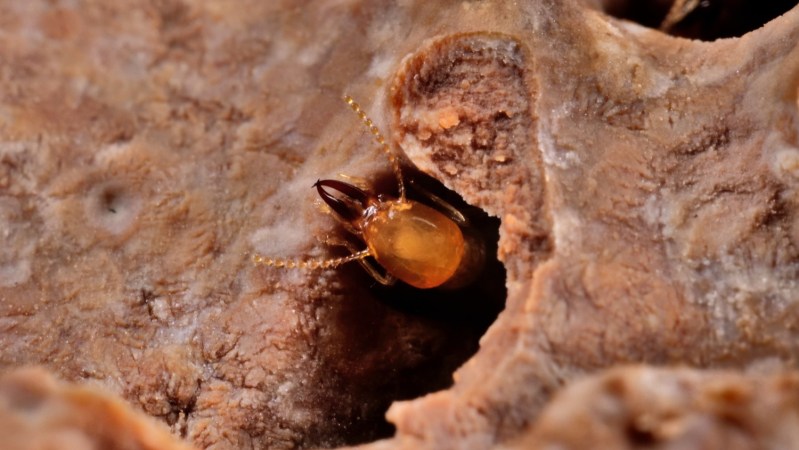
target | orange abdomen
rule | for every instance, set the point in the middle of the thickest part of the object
(415, 243)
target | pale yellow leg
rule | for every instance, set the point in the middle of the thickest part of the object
(442, 204)
(381, 277)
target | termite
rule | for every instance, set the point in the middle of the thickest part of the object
(423, 246)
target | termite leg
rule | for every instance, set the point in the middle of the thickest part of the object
(382, 278)
(442, 205)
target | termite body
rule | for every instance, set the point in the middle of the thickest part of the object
(420, 245)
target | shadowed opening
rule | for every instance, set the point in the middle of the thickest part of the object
(398, 342)
(461, 108)
(111, 200)
(705, 20)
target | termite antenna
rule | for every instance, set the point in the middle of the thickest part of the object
(310, 263)
(381, 141)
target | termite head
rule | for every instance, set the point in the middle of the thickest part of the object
(351, 203)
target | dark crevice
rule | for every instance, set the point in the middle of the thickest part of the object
(647, 13)
(640, 437)
(398, 342)
(705, 20)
